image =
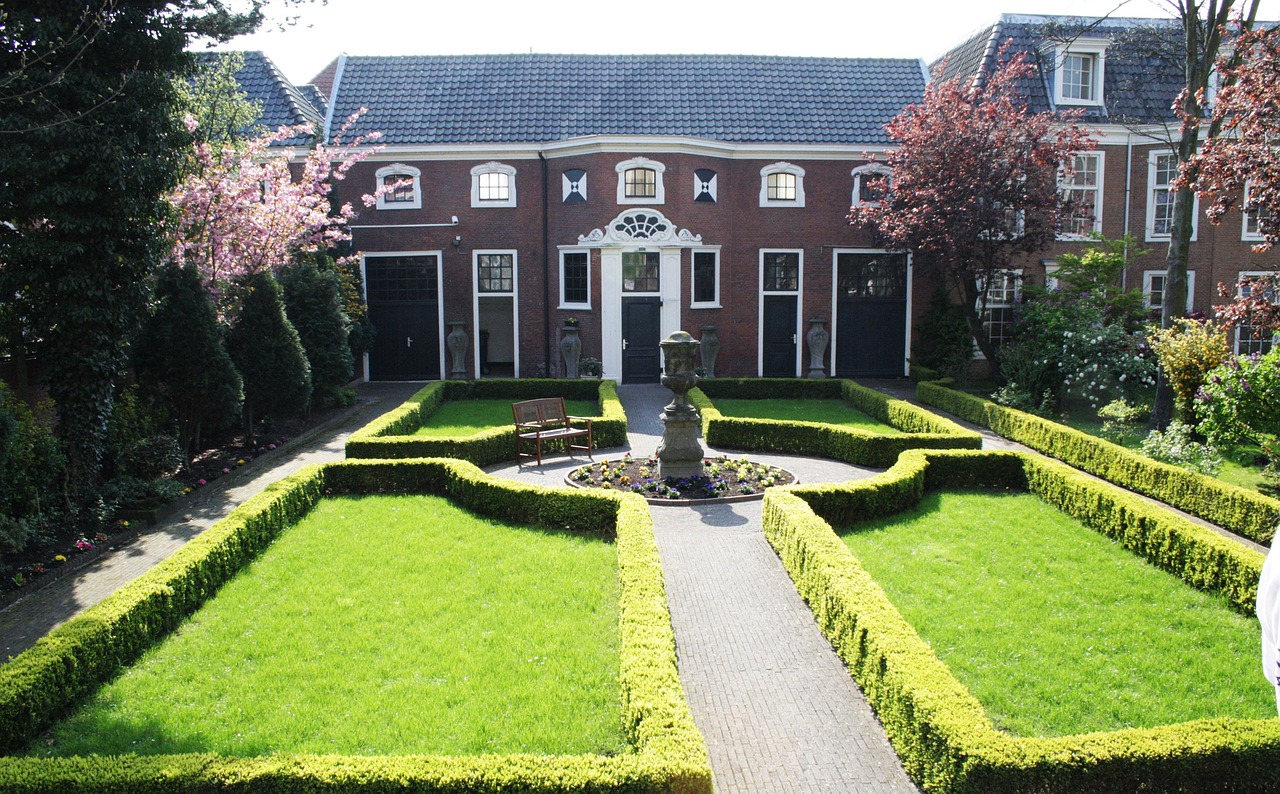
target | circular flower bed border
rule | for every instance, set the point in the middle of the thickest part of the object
(727, 480)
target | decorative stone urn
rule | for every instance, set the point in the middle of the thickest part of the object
(710, 348)
(818, 338)
(571, 350)
(457, 341)
(680, 454)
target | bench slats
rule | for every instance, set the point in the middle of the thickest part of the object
(544, 419)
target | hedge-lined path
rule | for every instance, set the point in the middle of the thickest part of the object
(904, 389)
(30, 618)
(778, 708)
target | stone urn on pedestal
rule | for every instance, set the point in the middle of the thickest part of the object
(710, 348)
(457, 342)
(571, 349)
(680, 453)
(818, 338)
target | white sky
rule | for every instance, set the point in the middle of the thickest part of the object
(829, 28)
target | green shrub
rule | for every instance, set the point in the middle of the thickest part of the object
(181, 362)
(268, 353)
(313, 303)
(1176, 447)
(1250, 514)
(945, 739)
(45, 681)
(391, 435)
(1187, 352)
(851, 445)
(1121, 420)
(33, 473)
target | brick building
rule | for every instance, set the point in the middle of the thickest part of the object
(639, 195)
(1110, 71)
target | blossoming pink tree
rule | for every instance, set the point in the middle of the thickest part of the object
(247, 210)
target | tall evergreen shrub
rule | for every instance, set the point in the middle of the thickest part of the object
(266, 349)
(33, 473)
(313, 303)
(181, 362)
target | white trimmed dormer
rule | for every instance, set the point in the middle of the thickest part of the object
(407, 193)
(1079, 69)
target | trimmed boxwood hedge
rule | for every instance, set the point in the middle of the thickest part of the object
(391, 435)
(921, 428)
(45, 682)
(941, 732)
(1245, 512)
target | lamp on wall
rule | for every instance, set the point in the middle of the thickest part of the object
(457, 241)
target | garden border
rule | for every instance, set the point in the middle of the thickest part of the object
(944, 737)
(1250, 514)
(390, 435)
(44, 682)
(921, 429)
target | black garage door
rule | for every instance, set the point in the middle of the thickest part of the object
(871, 315)
(404, 306)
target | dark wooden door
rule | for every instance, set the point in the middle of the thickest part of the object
(871, 315)
(641, 355)
(404, 308)
(779, 331)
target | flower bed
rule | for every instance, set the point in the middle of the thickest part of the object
(725, 478)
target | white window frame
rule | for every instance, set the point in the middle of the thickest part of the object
(659, 190)
(781, 168)
(401, 170)
(564, 302)
(493, 167)
(1148, 276)
(1097, 189)
(1235, 342)
(1007, 303)
(1051, 268)
(1151, 202)
(693, 255)
(864, 170)
(1094, 48)
(1254, 236)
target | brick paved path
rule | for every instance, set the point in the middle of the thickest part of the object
(778, 708)
(26, 621)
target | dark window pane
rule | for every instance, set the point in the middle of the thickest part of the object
(402, 192)
(495, 272)
(781, 272)
(641, 183)
(704, 277)
(576, 285)
(640, 271)
(400, 278)
(871, 275)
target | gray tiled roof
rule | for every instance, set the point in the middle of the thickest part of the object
(540, 98)
(1138, 85)
(313, 95)
(281, 102)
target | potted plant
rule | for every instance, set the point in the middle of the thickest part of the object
(590, 367)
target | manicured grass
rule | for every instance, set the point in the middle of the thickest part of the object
(834, 412)
(383, 625)
(468, 417)
(1053, 627)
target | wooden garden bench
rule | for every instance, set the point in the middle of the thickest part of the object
(545, 419)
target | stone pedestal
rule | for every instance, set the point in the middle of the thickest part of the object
(571, 350)
(680, 453)
(818, 338)
(710, 349)
(457, 341)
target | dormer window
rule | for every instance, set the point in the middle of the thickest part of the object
(493, 185)
(1079, 72)
(782, 185)
(870, 185)
(640, 181)
(399, 187)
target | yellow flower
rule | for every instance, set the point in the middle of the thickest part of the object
(59, 558)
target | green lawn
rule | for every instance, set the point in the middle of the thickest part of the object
(835, 412)
(468, 417)
(1238, 464)
(383, 625)
(1053, 627)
